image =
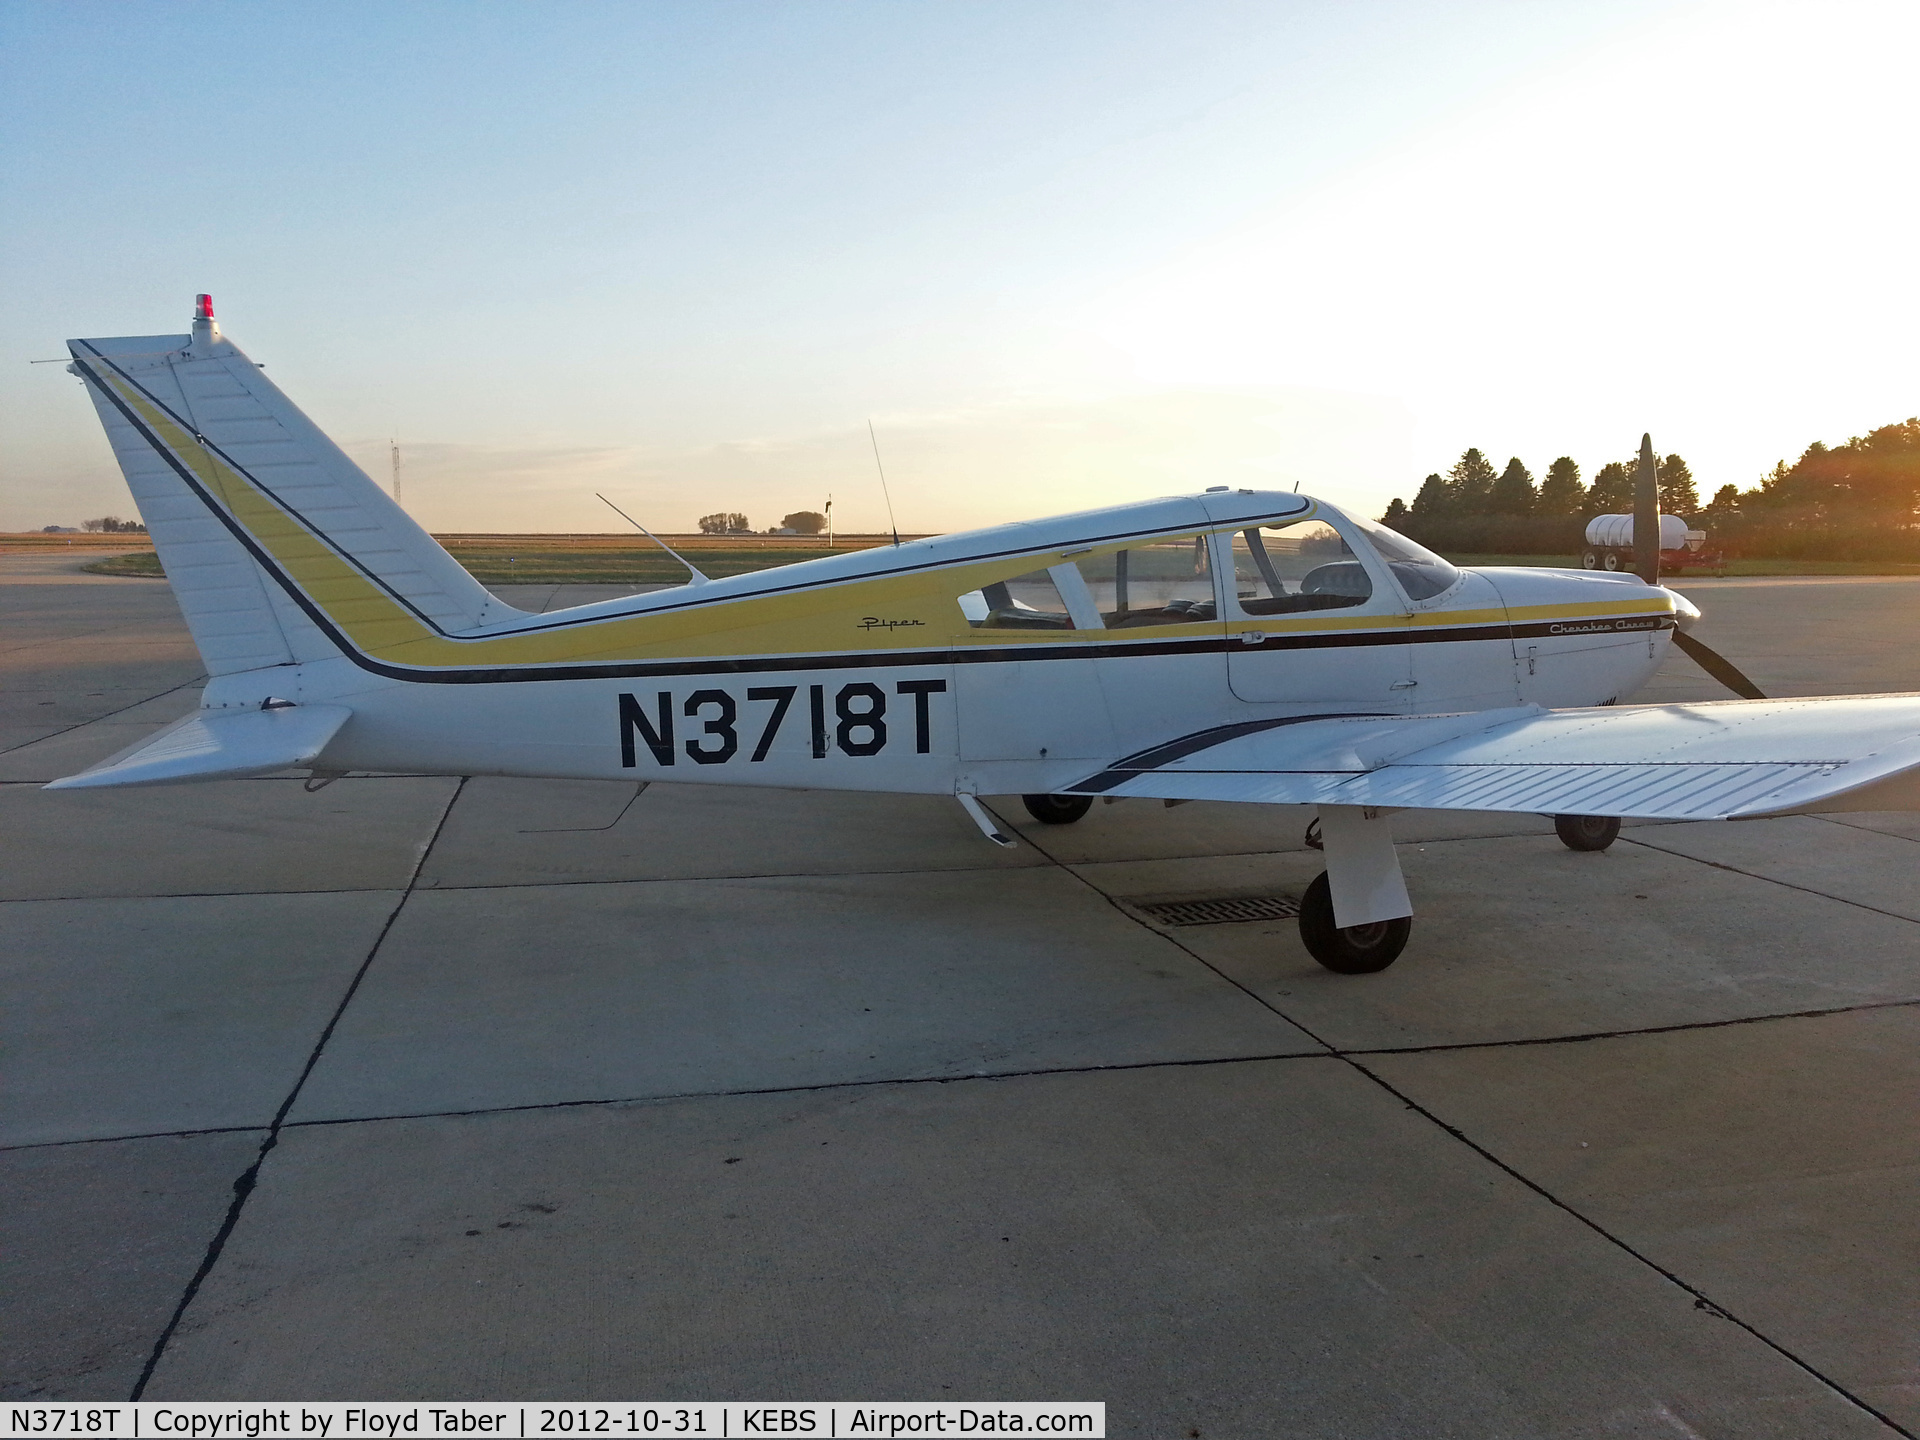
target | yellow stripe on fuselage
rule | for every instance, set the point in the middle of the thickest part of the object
(829, 618)
(824, 620)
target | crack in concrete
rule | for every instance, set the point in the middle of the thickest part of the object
(96, 719)
(245, 1183)
(1773, 880)
(1865, 829)
(674, 1097)
(1701, 1300)
(1354, 1060)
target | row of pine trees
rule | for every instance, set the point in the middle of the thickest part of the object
(1472, 488)
(1857, 501)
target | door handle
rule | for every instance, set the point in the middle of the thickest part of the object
(1253, 637)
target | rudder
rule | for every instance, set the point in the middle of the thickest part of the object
(263, 524)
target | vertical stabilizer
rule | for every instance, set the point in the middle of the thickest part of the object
(261, 521)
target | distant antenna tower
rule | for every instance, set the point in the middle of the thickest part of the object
(395, 446)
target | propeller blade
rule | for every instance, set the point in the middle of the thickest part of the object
(1717, 665)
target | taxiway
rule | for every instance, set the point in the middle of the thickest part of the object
(533, 1092)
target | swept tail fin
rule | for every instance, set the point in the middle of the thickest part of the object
(268, 532)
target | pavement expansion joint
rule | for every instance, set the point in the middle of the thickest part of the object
(817, 1087)
(96, 719)
(1627, 1034)
(138, 1135)
(1773, 880)
(1701, 1301)
(820, 1087)
(1355, 1060)
(244, 1184)
(715, 879)
(1135, 917)
(1868, 829)
(194, 895)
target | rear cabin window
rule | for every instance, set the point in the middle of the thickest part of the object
(1290, 569)
(1162, 582)
(1026, 602)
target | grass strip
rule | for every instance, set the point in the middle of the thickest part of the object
(495, 564)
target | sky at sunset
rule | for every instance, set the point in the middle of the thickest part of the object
(1061, 255)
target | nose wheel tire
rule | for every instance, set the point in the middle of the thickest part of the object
(1356, 949)
(1587, 832)
(1057, 809)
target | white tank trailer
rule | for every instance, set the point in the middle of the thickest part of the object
(1610, 545)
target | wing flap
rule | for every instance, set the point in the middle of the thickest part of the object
(1656, 762)
(219, 745)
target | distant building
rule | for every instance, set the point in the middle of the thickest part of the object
(59, 530)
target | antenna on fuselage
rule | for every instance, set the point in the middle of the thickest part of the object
(883, 481)
(698, 578)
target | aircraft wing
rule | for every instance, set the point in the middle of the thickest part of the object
(1710, 761)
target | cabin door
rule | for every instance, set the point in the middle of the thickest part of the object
(1310, 623)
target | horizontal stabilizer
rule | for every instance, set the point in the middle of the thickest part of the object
(219, 745)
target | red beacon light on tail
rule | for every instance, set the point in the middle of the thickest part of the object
(206, 330)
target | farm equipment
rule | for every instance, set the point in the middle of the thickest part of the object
(1610, 545)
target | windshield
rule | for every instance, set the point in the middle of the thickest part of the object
(1421, 573)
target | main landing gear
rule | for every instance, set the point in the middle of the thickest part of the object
(1587, 832)
(1057, 809)
(1353, 949)
(1355, 917)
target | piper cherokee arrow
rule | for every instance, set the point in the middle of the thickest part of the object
(1240, 644)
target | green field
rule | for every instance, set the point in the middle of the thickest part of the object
(496, 564)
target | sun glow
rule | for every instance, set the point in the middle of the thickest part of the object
(1674, 232)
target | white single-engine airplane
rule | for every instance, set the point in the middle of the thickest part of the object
(1240, 645)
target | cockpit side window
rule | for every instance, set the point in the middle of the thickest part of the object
(1421, 573)
(1298, 567)
(1024, 602)
(1157, 582)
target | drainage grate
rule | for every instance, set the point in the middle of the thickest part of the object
(1222, 912)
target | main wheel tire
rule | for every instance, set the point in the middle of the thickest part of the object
(1057, 809)
(1589, 559)
(1587, 832)
(1610, 560)
(1355, 950)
